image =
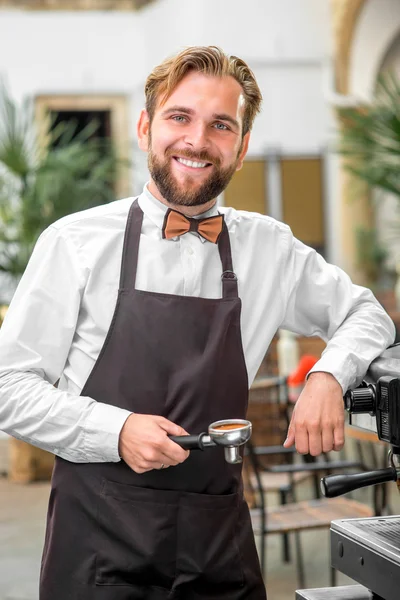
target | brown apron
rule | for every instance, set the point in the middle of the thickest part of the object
(178, 533)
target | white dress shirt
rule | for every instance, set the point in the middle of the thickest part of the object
(61, 312)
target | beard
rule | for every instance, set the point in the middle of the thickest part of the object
(189, 193)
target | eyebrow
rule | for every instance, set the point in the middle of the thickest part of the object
(176, 108)
(190, 111)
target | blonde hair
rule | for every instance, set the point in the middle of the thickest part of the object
(209, 60)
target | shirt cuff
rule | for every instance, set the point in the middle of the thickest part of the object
(102, 430)
(341, 367)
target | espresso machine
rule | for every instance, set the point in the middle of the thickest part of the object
(368, 549)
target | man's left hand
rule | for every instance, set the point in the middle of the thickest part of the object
(317, 423)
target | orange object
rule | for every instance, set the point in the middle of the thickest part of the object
(306, 363)
(297, 378)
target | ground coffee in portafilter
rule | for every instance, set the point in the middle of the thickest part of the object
(228, 426)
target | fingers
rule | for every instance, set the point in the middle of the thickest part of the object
(170, 427)
(314, 438)
(152, 457)
(299, 435)
(290, 438)
(173, 452)
(158, 465)
(144, 443)
(317, 423)
(165, 451)
(338, 437)
(327, 439)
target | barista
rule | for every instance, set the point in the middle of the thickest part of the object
(155, 314)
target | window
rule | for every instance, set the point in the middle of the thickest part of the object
(110, 111)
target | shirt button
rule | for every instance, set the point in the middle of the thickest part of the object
(190, 250)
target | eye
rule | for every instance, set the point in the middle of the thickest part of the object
(178, 118)
(221, 126)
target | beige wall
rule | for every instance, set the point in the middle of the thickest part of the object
(301, 187)
(302, 200)
(74, 4)
(247, 190)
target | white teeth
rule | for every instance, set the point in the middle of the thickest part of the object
(190, 163)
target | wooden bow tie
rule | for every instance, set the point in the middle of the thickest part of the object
(175, 224)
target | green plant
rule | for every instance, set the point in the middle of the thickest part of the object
(371, 254)
(370, 144)
(371, 137)
(41, 182)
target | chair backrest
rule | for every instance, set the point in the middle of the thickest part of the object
(268, 411)
(253, 462)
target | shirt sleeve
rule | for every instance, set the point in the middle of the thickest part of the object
(322, 301)
(34, 344)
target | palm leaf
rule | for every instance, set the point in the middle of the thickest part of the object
(75, 171)
(371, 138)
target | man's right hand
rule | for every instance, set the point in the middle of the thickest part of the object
(144, 443)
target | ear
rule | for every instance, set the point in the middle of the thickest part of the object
(243, 151)
(143, 128)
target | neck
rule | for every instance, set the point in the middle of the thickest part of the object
(188, 211)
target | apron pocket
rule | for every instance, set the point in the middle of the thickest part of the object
(208, 554)
(136, 536)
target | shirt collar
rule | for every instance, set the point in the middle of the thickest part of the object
(155, 210)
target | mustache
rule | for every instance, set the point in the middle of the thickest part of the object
(201, 156)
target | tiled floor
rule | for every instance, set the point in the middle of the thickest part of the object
(22, 518)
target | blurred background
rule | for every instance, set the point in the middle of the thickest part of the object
(324, 157)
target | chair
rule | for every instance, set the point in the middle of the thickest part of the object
(270, 411)
(296, 516)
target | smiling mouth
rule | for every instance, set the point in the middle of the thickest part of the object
(193, 164)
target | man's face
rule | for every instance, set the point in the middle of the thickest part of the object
(195, 141)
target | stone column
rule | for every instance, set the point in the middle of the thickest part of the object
(355, 209)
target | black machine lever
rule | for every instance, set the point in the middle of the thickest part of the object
(336, 485)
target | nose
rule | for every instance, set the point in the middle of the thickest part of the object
(197, 136)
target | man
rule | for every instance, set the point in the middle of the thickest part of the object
(201, 294)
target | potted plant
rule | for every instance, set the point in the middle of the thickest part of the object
(44, 180)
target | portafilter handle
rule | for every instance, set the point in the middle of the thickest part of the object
(336, 485)
(193, 442)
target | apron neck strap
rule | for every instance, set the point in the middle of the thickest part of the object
(130, 250)
(130, 254)
(228, 277)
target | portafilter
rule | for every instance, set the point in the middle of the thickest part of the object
(229, 433)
